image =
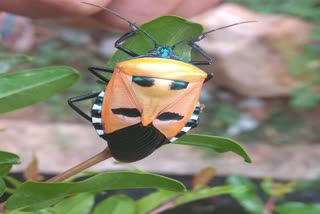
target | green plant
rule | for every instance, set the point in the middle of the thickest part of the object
(80, 194)
(274, 193)
(22, 88)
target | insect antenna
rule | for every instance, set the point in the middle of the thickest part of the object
(204, 34)
(123, 18)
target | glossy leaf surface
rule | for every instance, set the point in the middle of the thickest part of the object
(31, 194)
(23, 88)
(219, 144)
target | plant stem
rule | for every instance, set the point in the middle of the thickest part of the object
(104, 155)
(2, 206)
(269, 205)
(165, 206)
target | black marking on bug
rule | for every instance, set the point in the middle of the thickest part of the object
(192, 123)
(178, 85)
(197, 110)
(180, 134)
(96, 113)
(143, 81)
(98, 126)
(99, 100)
(128, 112)
(169, 116)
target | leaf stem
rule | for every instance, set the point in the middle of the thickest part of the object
(269, 205)
(104, 155)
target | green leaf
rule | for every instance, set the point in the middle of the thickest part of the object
(249, 198)
(23, 88)
(206, 192)
(13, 181)
(2, 187)
(9, 158)
(43, 206)
(298, 208)
(5, 169)
(154, 200)
(45, 211)
(8, 61)
(34, 193)
(118, 204)
(158, 198)
(219, 144)
(79, 204)
(166, 30)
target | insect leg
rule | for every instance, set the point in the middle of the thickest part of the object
(208, 60)
(94, 69)
(124, 37)
(73, 100)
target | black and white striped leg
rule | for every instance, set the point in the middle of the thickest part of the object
(94, 69)
(73, 100)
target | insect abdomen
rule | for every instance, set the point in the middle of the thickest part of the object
(135, 142)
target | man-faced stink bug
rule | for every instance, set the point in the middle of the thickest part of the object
(150, 100)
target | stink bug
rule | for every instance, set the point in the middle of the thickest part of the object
(150, 100)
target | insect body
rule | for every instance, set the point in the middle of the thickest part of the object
(144, 110)
(150, 100)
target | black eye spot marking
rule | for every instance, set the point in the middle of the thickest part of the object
(169, 116)
(128, 112)
(143, 81)
(178, 85)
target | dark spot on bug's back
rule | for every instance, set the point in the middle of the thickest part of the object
(128, 112)
(178, 85)
(169, 116)
(143, 81)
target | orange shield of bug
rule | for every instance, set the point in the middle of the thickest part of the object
(157, 91)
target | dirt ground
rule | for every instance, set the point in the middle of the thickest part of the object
(61, 145)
